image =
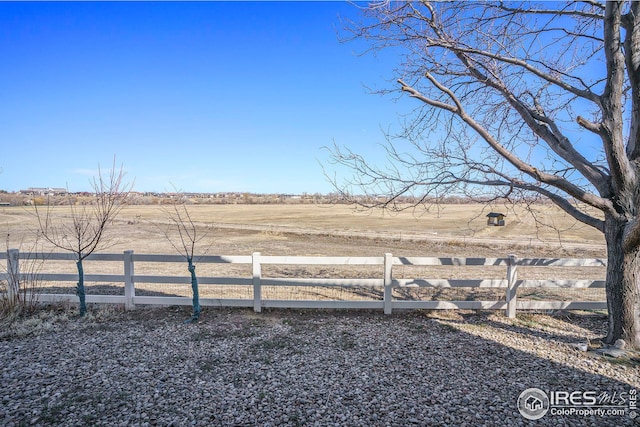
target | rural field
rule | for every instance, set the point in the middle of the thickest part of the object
(456, 230)
(279, 229)
(309, 367)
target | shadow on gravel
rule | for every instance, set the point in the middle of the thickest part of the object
(296, 368)
(527, 324)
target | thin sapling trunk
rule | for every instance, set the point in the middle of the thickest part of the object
(85, 232)
(195, 316)
(185, 243)
(80, 291)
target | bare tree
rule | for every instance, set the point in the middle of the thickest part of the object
(84, 232)
(187, 241)
(24, 279)
(518, 99)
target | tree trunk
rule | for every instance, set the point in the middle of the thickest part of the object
(80, 289)
(196, 293)
(623, 286)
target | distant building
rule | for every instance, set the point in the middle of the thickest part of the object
(41, 191)
(495, 218)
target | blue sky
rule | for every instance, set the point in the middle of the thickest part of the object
(203, 96)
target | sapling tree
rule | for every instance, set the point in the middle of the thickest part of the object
(24, 278)
(186, 243)
(84, 231)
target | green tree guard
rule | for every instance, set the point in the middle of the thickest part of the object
(80, 292)
(196, 294)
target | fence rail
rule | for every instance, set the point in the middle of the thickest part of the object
(384, 281)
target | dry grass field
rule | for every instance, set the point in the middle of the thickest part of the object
(334, 230)
(456, 230)
(308, 367)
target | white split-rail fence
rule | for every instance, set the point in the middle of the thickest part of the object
(510, 284)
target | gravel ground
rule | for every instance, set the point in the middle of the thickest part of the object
(295, 368)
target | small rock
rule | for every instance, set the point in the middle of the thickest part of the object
(619, 344)
(582, 346)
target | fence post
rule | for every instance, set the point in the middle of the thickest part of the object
(512, 277)
(129, 286)
(13, 268)
(388, 282)
(257, 276)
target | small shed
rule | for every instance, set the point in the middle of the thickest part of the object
(495, 218)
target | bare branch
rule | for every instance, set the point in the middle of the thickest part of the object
(188, 234)
(535, 173)
(536, 98)
(555, 12)
(631, 23)
(613, 95)
(85, 231)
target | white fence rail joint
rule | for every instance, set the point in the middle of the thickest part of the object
(13, 277)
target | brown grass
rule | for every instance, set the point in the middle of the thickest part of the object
(339, 230)
(451, 226)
